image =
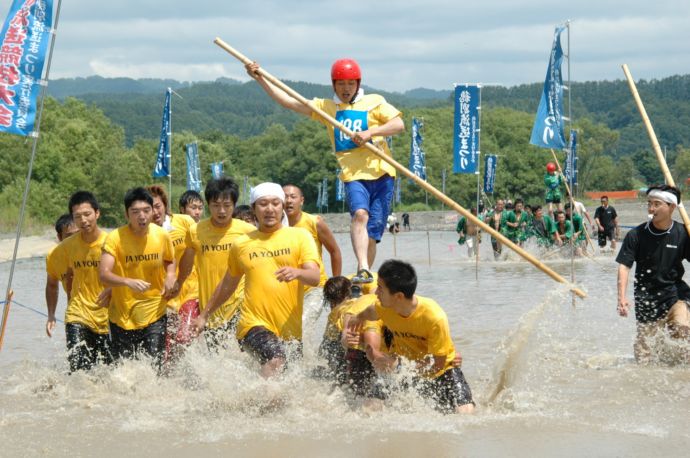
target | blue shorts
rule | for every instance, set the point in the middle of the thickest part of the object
(375, 197)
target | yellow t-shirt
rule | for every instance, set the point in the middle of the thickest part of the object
(83, 260)
(178, 227)
(270, 303)
(211, 246)
(308, 222)
(353, 307)
(425, 332)
(143, 258)
(56, 265)
(357, 162)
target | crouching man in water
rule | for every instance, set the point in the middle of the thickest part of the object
(421, 334)
(658, 247)
(276, 262)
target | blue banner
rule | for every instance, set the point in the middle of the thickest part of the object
(417, 159)
(193, 172)
(466, 131)
(324, 193)
(398, 190)
(319, 195)
(339, 188)
(25, 37)
(217, 172)
(162, 167)
(490, 163)
(548, 124)
(570, 170)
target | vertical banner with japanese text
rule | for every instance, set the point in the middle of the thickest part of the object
(162, 167)
(25, 37)
(570, 170)
(466, 128)
(417, 159)
(548, 123)
(490, 163)
(193, 171)
(324, 193)
(339, 188)
(217, 172)
(398, 190)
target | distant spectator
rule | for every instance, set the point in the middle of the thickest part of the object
(406, 221)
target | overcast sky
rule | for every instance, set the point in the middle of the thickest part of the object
(400, 44)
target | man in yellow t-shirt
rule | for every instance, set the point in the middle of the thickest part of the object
(323, 237)
(208, 246)
(138, 263)
(368, 179)
(276, 262)
(56, 268)
(86, 321)
(421, 334)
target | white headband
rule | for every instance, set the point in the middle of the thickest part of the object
(664, 196)
(266, 189)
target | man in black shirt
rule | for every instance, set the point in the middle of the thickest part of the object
(658, 247)
(607, 221)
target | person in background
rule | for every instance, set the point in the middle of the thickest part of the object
(606, 219)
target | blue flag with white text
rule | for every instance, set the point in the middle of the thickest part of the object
(548, 124)
(25, 36)
(490, 163)
(162, 167)
(193, 172)
(217, 171)
(339, 188)
(417, 159)
(324, 193)
(570, 170)
(398, 190)
(466, 128)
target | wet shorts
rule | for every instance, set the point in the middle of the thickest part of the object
(130, 343)
(86, 348)
(448, 390)
(374, 196)
(607, 233)
(263, 345)
(361, 376)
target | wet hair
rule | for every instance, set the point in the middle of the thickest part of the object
(82, 197)
(294, 186)
(337, 290)
(62, 222)
(399, 277)
(519, 201)
(557, 213)
(188, 197)
(220, 189)
(243, 212)
(137, 194)
(158, 191)
(664, 187)
(536, 208)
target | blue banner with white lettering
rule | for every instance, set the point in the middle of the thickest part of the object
(25, 37)
(324, 193)
(398, 190)
(466, 130)
(417, 160)
(162, 167)
(339, 188)
(217, 172)
(193, 172)
(319, 195)
(548, 124)
(570, 170)
(490, 163)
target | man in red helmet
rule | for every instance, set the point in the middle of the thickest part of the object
(368, 179)
(553, 181)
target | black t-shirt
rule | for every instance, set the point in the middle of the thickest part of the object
(658, 256)
(606, 216)
(406, 218)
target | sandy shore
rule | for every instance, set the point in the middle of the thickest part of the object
(34, 246)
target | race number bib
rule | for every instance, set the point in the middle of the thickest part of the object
(354, 120)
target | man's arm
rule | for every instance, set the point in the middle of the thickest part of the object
(108, 278)
(323, 232)
(277, 94)
(170, 287)
(623, 304)
(392, 127)
(220, 295)
(186, 266)
(308, 273)
(52, 288)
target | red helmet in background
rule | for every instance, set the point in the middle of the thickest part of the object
(550, 167)
(345, 69)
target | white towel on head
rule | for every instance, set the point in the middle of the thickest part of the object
(269, 189)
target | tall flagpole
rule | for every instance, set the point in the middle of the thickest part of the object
(169, 134)
(572, 168)
(479, 166)
(9, 293)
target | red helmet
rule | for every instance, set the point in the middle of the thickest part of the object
(345, 69)
(550, 167)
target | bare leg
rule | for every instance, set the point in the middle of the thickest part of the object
(371, 252)
(360, 238)
(465, 408)
(272, 368)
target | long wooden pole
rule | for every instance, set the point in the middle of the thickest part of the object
(655, 143)
(402, 169)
